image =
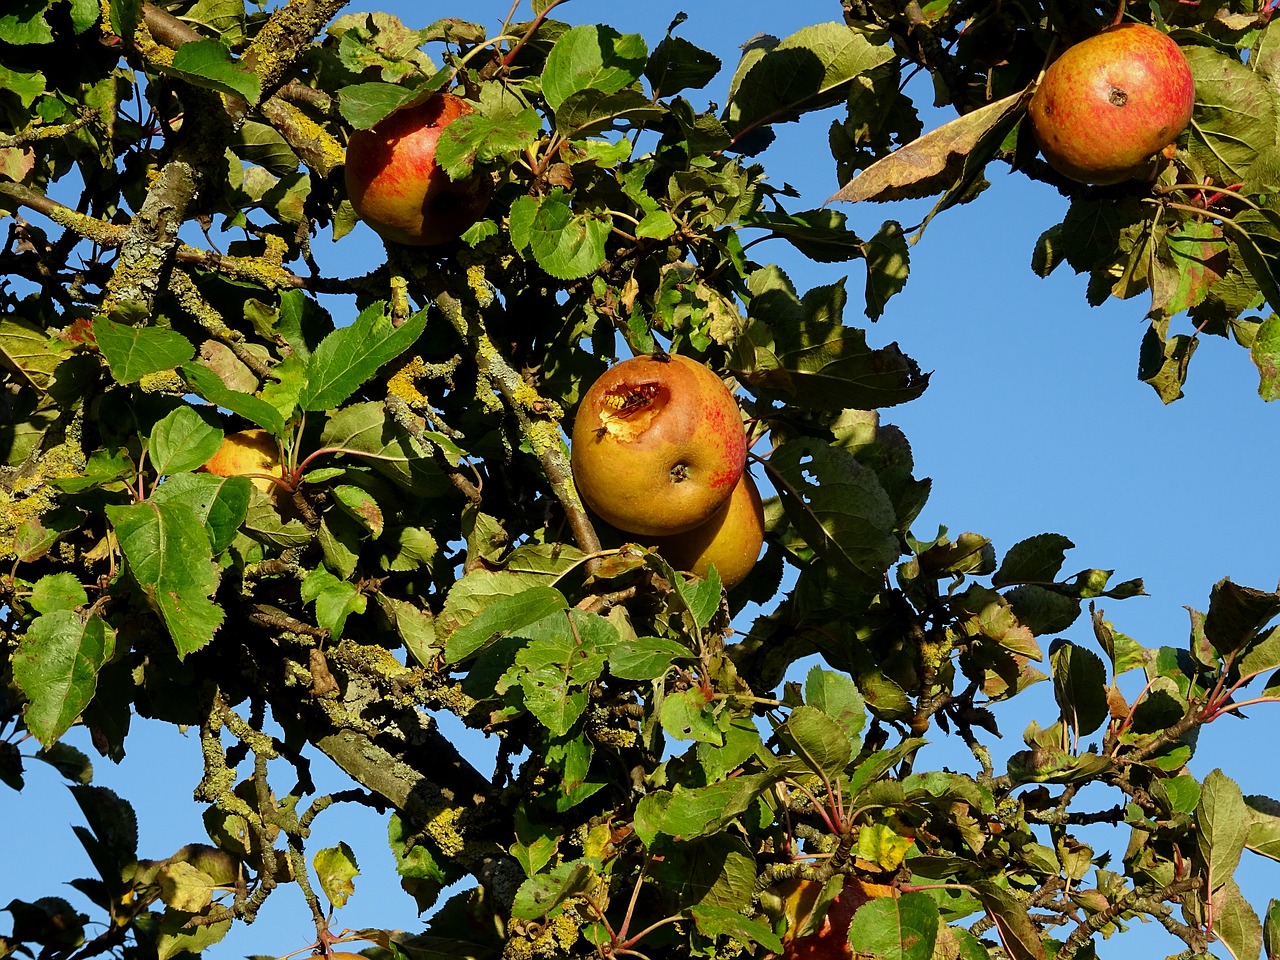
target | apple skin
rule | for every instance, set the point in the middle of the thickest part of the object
(397, 188)
(1111, 102)
(731, 539)
(249, 451)
(658, 445)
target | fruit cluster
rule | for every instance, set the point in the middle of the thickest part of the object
(659, 452)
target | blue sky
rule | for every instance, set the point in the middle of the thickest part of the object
(1034, 421)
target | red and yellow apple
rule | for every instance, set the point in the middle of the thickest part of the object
(830, 941)
(658, 445)
(1111, 102)
(396, 185)
(731, 539)
(249, 452)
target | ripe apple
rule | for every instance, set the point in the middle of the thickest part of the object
(248, 452)
(1111, 102)
(831, 940)
(395, 184)
(658, 445)
(731, 539)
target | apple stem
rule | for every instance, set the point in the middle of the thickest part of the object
(1119, 13)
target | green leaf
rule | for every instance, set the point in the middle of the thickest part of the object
(1271, 932)
(686, 715)
(1020, 936)
(1235, 115)
(358, 503)
(1079, 686)
(133, 352)
(592, 57)
(1235, 923)
(209, 385)
(716, 871)
(1265, 353)
(370, 428)
(72, 763)
(700, 811)
(221, 503)
(349, 356)
(25, 23)
(58, 591)
(169, 556)
(1124, 652)
(896, 928)
(25, 86)
(1264, 826)
(27, 350)
(800, 353)
(837, 696)
(820, 235)
(646, 658)
(567, 245)
(1036, 559)
(477, 138)
(363, 104)
(714, 921)
(335, 599)
(336, 868)
(839, 507)
(209, 64)
(566, 651)
(1236, 614)
(181, 441)
(818, 740)
(591, 112)
(809, 70)
(56, 668)
(541, 894)
(888, 266)
(1223, 820)
(125, 15)
(423, 876)
(177, 937)
(506, 615)
(676, 64)
(185, 887)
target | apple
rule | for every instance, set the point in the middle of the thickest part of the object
(1111, 102)
(395, 184)
(731, 539)
(830, 941)
(248, 452)
(658, 445)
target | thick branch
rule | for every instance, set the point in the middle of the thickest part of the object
(284, 36)
(543, 432)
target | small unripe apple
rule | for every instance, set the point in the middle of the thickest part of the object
(658, 445)
(1111, 102)
(247, 452)
(731, 539)
(395, 184)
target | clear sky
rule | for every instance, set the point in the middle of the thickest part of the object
(1034, 422)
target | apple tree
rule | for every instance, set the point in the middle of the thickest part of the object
(405, 539)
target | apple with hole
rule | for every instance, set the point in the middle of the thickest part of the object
(658, 445)
(731, 539)
(1111, 102)
(248, 452)
(395, 184)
